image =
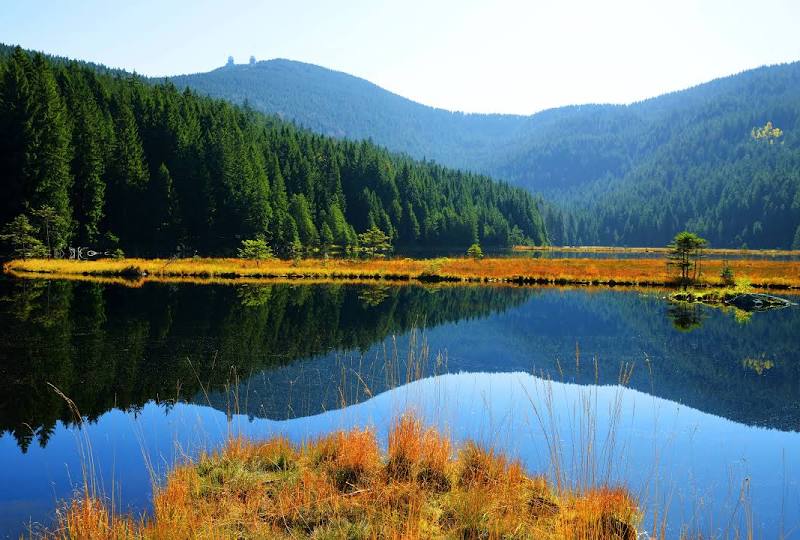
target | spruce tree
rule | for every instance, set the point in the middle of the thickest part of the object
(88, 164)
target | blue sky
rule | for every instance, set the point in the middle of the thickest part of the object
(491, 56)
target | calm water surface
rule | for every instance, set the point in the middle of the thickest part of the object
(710, 413)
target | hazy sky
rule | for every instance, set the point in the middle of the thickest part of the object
(489, 56)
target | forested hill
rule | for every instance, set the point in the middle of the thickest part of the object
(616, 174)
(341, 105)
(106, 159)
(721, 159)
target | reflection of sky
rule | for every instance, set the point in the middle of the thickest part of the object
(701, 459)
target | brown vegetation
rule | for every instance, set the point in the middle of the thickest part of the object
(631, 272)
(340, 486)
(659, 250)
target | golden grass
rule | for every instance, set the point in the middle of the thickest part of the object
(630, 272)
(664, 250)
(340, 486)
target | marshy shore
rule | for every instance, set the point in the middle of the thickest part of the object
(760, 273)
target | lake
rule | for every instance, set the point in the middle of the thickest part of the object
(694, 409)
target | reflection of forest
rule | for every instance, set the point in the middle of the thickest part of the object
(108, 346)
(701, 357)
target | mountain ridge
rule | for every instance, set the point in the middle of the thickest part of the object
(614, 174)
(610, 174)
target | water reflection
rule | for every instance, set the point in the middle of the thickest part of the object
(308, 359)
(685, 317)
(666, 453)
(574, 336)
(112, 347)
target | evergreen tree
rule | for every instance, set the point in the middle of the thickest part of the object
(34, 146)
(128, 176)
(326, 237)
(301, 213)
(164, 211)
(374, 242)
(21, 236)
(17, 105)
(88, 164)
(685, 252)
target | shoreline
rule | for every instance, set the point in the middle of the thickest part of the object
(640, 273)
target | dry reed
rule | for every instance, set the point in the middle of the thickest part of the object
(584, 271)
(340, 486)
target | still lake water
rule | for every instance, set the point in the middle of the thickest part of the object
(709, 415)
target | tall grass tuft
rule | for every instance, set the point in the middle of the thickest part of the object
(341, 486)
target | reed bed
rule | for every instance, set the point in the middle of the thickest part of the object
(607, 272)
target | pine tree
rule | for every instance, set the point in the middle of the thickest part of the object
(128, 177)
(685, 252)
(326, 237)
(299, 210)
(374, 242)
(50, 169)
(88, 164)
(164, 211)
(50, 224)
(17, 105)
(21, 236)
(410, 231)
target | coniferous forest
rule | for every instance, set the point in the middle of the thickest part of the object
(612, 174)
(105, 159)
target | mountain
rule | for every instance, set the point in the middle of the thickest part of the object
(614, 174)
(103, 158)
(340, 105)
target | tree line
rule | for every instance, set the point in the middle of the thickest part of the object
(94, 157)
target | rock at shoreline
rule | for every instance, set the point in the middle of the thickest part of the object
(758, 302)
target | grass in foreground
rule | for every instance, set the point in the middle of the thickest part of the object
(628, 272)
(340, 486)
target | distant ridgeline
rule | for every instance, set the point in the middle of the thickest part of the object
(716, 367)
(623, 175)
(147, 168)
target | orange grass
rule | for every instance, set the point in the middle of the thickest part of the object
(664, 250)
(340, 486)
(633, 272)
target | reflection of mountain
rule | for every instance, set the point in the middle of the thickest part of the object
(107, 346)
(748, 373)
